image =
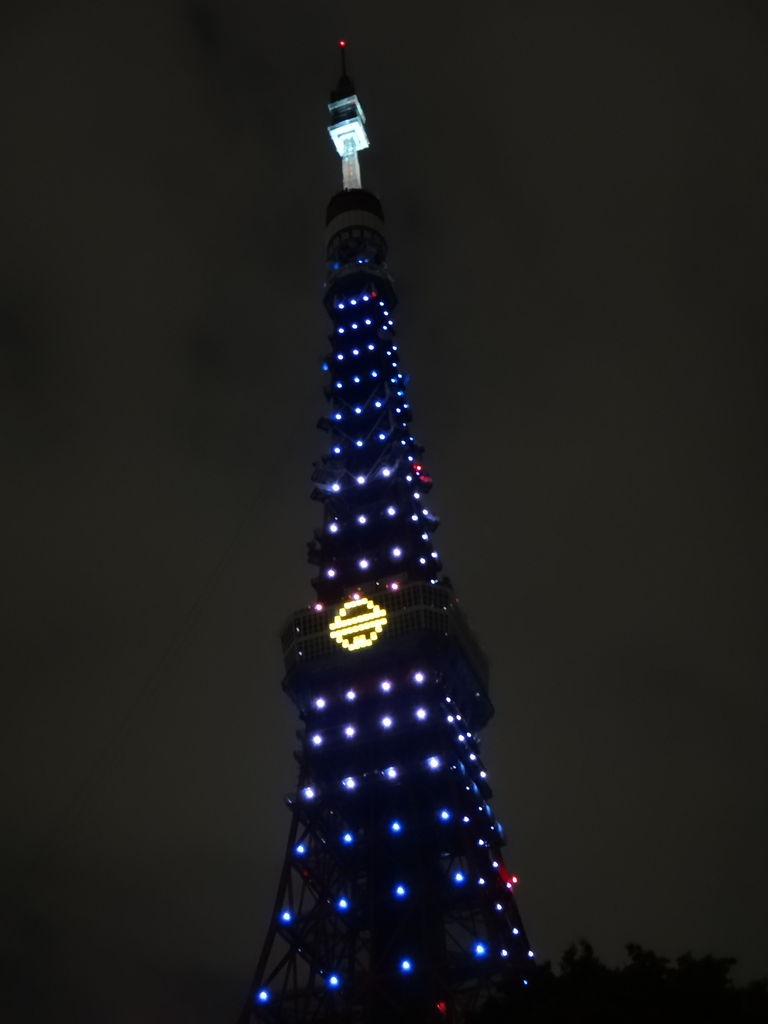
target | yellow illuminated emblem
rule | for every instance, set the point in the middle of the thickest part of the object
(358, 624)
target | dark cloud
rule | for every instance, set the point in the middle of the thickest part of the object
(577, 211)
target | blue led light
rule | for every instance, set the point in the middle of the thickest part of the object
(300, 850)
(262, 996)
(286, 917)
(342, 903)
(444, 815)
(458, 878)
(400, 891)
(347, 838)
(395, 826)
(480, 949)
(406, 966)
(334, 981)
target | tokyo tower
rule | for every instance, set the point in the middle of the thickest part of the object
(394, 902)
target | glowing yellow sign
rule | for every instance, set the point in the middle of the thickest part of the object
(358, 624)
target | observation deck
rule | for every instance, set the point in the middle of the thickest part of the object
(423, 620)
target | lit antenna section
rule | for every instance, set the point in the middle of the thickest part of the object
(347, 127)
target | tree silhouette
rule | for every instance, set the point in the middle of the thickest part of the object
(647, 989)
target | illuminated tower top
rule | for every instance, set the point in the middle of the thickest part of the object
(347, 127)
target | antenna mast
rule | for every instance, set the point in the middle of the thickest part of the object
(347, 127)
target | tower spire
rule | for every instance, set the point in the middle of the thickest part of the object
(343, 55)
(347, 127)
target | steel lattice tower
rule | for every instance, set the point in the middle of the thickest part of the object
(394, 902)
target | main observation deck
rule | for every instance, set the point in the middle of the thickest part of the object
(422, 620)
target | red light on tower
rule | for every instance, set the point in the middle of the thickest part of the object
(342, 43)
(441, 1007)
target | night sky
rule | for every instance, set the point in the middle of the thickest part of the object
(577, 214)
